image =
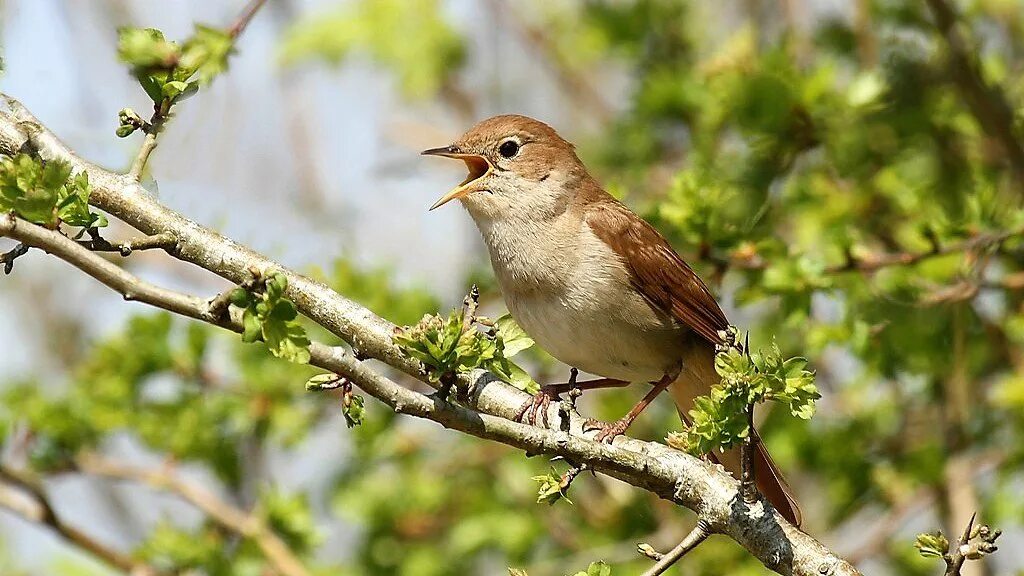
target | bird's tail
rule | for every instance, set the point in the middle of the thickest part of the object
(695, 379)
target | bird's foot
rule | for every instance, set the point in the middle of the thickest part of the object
(540, 402)
(607, 431)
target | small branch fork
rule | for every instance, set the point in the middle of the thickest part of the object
(663, 562)
(486, 413)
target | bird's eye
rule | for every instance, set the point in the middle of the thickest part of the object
(508, 148)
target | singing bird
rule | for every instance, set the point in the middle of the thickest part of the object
(591, 282)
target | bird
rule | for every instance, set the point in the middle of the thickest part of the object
(590, 281)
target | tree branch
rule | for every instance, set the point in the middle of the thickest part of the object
(228, 516)
(162, 109)
(987, 103)
(699, 534)
(873, 263)
(40, 510)
(489, 404)
(166, 240)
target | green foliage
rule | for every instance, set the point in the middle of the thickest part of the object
(552, 487)
(932, 545)
(719, 420)
(168, 71)
(448, 346)
(268, 316)
(408, 37)
(46, 193)
(289, 516)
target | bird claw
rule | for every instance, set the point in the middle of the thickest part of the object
(540, 402)
(607, 431)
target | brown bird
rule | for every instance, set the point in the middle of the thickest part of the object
(590, 281)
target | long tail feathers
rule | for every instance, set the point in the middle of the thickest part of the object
(696, 379)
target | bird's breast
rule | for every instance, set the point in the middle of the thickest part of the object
(572, 294)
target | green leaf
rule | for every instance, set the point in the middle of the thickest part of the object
(444, 348)
(205, 54)
(718, 420)
(932, 545)
(353, 410)
(252, 330)
(551, 488)
(512, 335)
(43, 192)
(328, 381)
(286, 339)
(240, 297)
(146, 48)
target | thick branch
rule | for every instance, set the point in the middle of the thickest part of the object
(675, 476)
(247, 525)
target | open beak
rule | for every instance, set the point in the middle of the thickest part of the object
(478, 167)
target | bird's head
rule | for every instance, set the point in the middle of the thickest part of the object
(518, 167)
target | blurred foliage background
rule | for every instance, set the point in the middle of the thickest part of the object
(846, 175)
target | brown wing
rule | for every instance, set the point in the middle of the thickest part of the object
(664, 279)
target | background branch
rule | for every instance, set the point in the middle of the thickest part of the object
(248, 525)
(41, 511)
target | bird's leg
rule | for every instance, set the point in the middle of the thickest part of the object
(540, 401)
(609, 430)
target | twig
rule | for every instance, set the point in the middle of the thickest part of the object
(245, 17)
(130, 287)
(875, 262)
(9, 257)
(699, 534)
(748, 482)
(575, 84)
(956, 560)
(41, 511)
(248, 525)
(162, 109)
(485, 413)
(161, 112)
(97, 243)
(987, 103)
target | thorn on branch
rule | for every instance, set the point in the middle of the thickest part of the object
(699, 534)
(983, 539)
(9, 257)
